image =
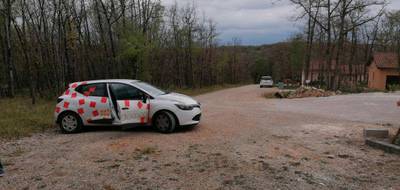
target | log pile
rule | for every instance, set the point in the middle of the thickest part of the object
(304, 92)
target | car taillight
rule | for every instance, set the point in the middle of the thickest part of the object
(59, 100)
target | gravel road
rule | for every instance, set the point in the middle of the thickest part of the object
(244, 142)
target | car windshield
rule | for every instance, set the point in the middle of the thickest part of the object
(152, 90)
(266, 78)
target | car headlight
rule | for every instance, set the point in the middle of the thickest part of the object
(184, 107)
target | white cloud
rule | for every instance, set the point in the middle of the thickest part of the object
(253, 21)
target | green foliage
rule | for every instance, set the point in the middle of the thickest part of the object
(261, 67)
(359, 88)
(393, 87)
(19, 118)
(296, 56)
(132, 46)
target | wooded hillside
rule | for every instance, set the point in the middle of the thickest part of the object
(47, 44)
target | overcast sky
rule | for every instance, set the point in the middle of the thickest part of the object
(254, 22)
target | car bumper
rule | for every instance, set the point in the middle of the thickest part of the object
(191, 117)
(266, 84)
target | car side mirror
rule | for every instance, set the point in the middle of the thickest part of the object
(144, 98)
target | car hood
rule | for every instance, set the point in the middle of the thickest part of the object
(179, 98)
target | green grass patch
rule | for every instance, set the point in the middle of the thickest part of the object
(19, 118)
(204, 90)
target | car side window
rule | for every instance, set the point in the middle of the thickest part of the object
(98, 90)
(126, 92)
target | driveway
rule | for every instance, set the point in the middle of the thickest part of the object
(244, 142)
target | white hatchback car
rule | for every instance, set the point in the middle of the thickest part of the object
(124, 102)
(266, 81)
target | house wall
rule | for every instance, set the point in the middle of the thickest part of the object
(377, 77)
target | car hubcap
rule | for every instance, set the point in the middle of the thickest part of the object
(163, 122)
(69, 123)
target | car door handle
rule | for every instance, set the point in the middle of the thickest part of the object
(125, 108)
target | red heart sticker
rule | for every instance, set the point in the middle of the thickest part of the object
(92, 104)
(81, 102)
(66, 105)
(66, 92)
(103, 100)
(81, 111)
(73, 95)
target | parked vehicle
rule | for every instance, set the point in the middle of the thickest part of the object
(266, 81)
(124, 102)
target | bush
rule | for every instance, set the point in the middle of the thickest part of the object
(393, 87)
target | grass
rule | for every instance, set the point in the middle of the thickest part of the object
(19, 118)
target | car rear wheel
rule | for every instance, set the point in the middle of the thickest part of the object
(70, 123)
(165, 122)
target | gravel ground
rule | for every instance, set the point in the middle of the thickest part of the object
(244, 142)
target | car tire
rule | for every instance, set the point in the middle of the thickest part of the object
(70, 123)
(165, 122)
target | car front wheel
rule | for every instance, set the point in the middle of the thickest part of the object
(165, 122)
(70, 123)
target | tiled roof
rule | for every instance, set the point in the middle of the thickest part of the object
(386, 60)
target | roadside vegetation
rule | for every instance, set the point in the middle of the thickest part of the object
(20, 118)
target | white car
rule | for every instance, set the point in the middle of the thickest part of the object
(266, 81)
(123, 102)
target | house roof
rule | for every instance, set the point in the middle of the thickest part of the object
(386, 60)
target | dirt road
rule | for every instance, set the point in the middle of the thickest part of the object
(244, 142)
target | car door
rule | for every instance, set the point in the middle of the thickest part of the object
(94, 103)
(131, 108)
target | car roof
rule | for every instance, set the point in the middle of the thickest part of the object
(110, 80)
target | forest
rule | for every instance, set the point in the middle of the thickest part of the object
(47, 44)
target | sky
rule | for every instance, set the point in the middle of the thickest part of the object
(254, 22)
